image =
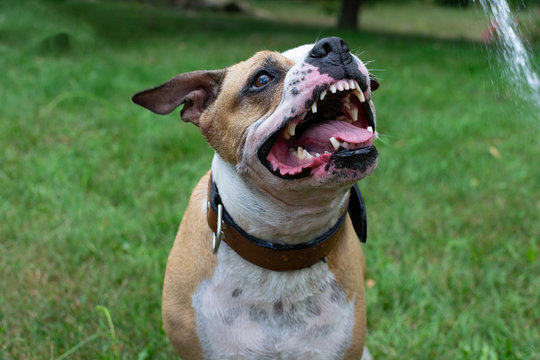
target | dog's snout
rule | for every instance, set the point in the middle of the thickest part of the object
(331, 56)
(329, 47)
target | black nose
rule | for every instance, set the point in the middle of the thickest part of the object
(331, 56)
(330, 47)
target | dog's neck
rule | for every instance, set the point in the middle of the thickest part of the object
(270, 218)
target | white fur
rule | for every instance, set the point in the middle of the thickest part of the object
(298, 54)
(268, 219)
(247, 312)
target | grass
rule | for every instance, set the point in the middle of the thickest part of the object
(422, 18)
(92, 188)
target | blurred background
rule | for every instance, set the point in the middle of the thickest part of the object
(92, 188)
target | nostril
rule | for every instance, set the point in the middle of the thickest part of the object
(321, 49)
(344, 46)
(327, 46)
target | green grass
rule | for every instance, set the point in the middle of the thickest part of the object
(417, 18)
(92, 188)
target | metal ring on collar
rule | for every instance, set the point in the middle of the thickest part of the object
(218, 235)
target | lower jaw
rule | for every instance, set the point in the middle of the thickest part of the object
(350, 165)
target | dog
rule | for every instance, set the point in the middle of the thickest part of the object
(267, 262)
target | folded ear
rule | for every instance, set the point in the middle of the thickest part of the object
(373, 83)
(196, 90)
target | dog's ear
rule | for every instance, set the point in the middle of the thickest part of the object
(373, 83)
(196, 90)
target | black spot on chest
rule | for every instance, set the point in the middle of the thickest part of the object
(236, 292)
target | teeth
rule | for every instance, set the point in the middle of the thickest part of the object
(302, 154)
(333, 89)
(323, 94)
(346, 85)
(314, 107)
(352, 84)
(345, 145)
(353, 113)
(360, 96)
(292, 128)
(370, 129)
(340, 86)
(335, 142)
(286, 134)
(317, 154)
(356, 85)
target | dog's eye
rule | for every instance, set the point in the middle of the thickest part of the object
(263, 79)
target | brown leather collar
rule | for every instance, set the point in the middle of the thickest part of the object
(275, 256)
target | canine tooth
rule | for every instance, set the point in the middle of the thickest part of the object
(303, 116)
(345, 144)
(370, 129)
(352, 84)
(353, 112)
(356, 85)
(314, 107)
(292, 128)
(333, 89)
(300, 153)
(323, 94)
(335, 142)
(286, 134)
(307, 155)
(360, 96)
(340, 86)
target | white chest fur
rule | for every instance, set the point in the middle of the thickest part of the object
(246, 312)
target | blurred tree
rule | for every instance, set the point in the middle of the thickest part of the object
(458, 3)
(348, 14)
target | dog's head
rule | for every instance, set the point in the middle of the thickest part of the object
(304, 115)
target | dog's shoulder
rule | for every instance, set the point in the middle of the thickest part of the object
(190, 262)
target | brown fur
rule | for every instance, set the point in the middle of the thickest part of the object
(347, 264)
(190, 262)
(240, 111)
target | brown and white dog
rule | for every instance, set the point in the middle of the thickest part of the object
(292, 133)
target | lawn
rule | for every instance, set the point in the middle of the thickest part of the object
(92, 188)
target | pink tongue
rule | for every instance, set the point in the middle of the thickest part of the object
(341, 130)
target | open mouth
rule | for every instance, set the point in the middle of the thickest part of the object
(339, 129)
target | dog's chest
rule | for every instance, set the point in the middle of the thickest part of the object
(245, 312)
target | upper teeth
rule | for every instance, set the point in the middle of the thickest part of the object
(351, 108)
(359, 95)
(290, 130)
(342, 85)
